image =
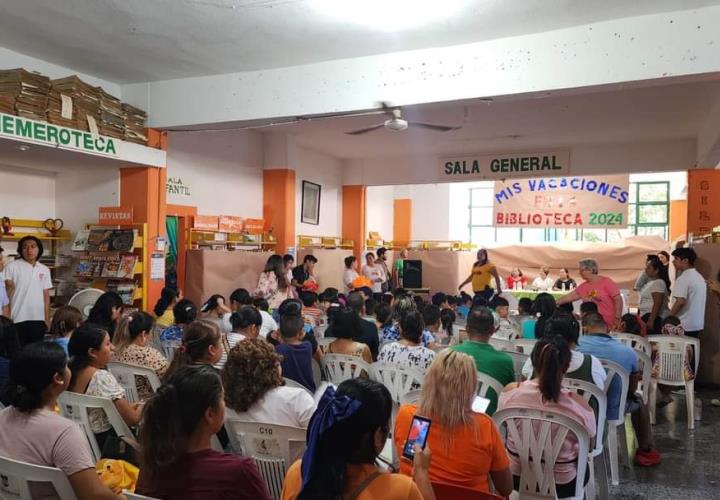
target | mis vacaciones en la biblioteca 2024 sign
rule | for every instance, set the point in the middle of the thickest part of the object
(16, 127)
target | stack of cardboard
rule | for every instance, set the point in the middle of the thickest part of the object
(84, 102)
(111, 120)
(135, 124)
(24, 93)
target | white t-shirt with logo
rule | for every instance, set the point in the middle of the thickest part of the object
(28, 302)
(691, 286)
(373, 273)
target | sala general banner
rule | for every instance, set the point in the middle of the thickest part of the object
(565, 202)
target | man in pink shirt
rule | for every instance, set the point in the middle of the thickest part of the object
(598, 289)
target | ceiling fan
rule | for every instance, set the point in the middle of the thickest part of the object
(396, 123)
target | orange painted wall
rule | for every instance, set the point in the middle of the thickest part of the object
(703, 209)
(279, 206)
(402, 221)
(354, 221)
(678, 219)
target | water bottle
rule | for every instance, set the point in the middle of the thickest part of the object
(698, 409)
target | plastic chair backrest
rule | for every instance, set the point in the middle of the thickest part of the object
(646, 367)
(75, 407)
(127, 376)
(615, 370)
(324, 342)
(444, 491)
(273, 447)
(340, 367)
(16, 476)
(519, 359)
(168, 348)
(411, 398)
(637, 342)
(155, 337)
(316, 371)
(524, 345)
(398, 380)
(588, 391)
(671, 352)
(538, 437)
(486, 382)
(291, 383)
(502, 344)
(320, 331)
(134, 496)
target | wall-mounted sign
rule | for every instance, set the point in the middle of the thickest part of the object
(175, 185)
(703, 212)
(504, 166)
(55, 136)
(205, 222)
(254, 226)
(115, 216)
(230, 224)
(592, 202)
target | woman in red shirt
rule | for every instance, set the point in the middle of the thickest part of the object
(516, 280)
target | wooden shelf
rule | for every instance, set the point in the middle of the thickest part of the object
(40, 236)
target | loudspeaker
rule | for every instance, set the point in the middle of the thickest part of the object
(412, 274)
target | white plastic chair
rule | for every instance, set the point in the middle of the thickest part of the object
(519, 359)
(168, 348)
(320, 331)
(411, 398)
(16, 476)
(324, 342)
(589, 391)
(539, 436)
(75, 407)
(637, 342)
(340, 367)
(502, 344)
(317, 372)
(134, 496)
(398, 380)
(486, 382)
(291, 383)
(615, 370)
(645, 381)
(671, 354)
(127, 376)
(524, 345)
(273, 447)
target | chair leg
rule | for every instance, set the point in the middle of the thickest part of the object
(612, 448)
(690, 401)
(602, 476)
(653, 400)
(590, 488)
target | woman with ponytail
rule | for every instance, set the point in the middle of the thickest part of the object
(131, 346)
(164, 316)
(201, 345)
(550, 358)
(90, 351)
(31, 431)
(346, 434)
(177, 460)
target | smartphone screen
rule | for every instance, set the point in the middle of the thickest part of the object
(418, 434)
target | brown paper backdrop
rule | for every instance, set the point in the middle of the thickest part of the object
(708, 264)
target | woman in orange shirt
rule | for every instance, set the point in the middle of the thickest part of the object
(466, 445)
(346, 434)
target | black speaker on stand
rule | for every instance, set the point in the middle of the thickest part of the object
(412, 274)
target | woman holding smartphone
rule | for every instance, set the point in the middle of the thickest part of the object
(467, 448)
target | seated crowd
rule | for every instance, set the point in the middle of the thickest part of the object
(246, 361)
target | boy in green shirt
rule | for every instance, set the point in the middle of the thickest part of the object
(497, 364)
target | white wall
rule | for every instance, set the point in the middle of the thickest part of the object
(26, 194)
(380, 210)
(223, 170)
(11, 59)
(324, 170)
(430, 211)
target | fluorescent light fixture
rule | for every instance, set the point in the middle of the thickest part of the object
(389, 15)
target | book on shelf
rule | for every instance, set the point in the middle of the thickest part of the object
(101, 266)
(110, 240)
(80, 243)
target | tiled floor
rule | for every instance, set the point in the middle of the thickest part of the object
(690, 468)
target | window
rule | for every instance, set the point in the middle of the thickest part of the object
(648, 215)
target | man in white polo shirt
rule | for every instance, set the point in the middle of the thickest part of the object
(689, 292)
(28, 284)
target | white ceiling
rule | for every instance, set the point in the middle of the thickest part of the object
(652, 113)
(148, 40)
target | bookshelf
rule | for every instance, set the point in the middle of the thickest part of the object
(52, 243)
(221, 240)
(112, 258)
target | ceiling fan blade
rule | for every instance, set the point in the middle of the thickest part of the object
(365, 130)
(430, 126)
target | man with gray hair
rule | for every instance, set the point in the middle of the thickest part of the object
(598, 289)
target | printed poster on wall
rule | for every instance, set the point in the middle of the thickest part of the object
(564, 202)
